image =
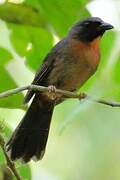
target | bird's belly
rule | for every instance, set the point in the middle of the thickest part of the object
(76, 78)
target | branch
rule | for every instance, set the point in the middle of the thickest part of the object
(10, 164)
(36, 88)
(66, 94)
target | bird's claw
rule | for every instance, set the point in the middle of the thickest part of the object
(52, 92)
(82, 96)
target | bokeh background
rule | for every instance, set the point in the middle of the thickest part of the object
(84, 140)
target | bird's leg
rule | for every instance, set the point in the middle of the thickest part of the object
(52, 92)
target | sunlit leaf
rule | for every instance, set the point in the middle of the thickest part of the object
(5, 56)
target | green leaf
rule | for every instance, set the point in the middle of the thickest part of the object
(24, 170)
(21, 14)
(19, 38)
(116, 72)
(107, 43)
(61, 14)
(5, 56)
(5, 132)
(115, 76)
(39, 47)
(7, 82)
(2, 158)
(33, 43)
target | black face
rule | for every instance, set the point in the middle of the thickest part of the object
(89, 29)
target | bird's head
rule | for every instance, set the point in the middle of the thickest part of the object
(89, 29)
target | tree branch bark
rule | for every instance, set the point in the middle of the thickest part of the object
(66, 94)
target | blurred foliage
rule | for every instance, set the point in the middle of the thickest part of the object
(25, 42)
(89, 149)
(12, 13)
(55, 12)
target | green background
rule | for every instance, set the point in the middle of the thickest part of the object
(84, 142)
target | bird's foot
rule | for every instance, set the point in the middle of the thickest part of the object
(82, 96)
(52, 92)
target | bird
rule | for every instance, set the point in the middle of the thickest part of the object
(68, 65)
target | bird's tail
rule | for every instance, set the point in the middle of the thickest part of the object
(30, 137)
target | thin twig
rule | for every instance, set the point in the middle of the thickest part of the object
(36, 88)
(10, 164)
(66, 94)
(105, 102)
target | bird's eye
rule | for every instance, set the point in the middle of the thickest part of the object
(86, 23)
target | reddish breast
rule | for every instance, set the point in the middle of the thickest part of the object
(77, 66)
(88, 53)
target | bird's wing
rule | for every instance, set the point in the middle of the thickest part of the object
(46, 67)
(41, 75)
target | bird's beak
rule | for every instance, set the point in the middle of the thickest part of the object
(105, 26)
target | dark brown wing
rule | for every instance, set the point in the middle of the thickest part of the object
(47, 66)
(41, 75)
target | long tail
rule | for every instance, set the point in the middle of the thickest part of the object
(30, 137)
